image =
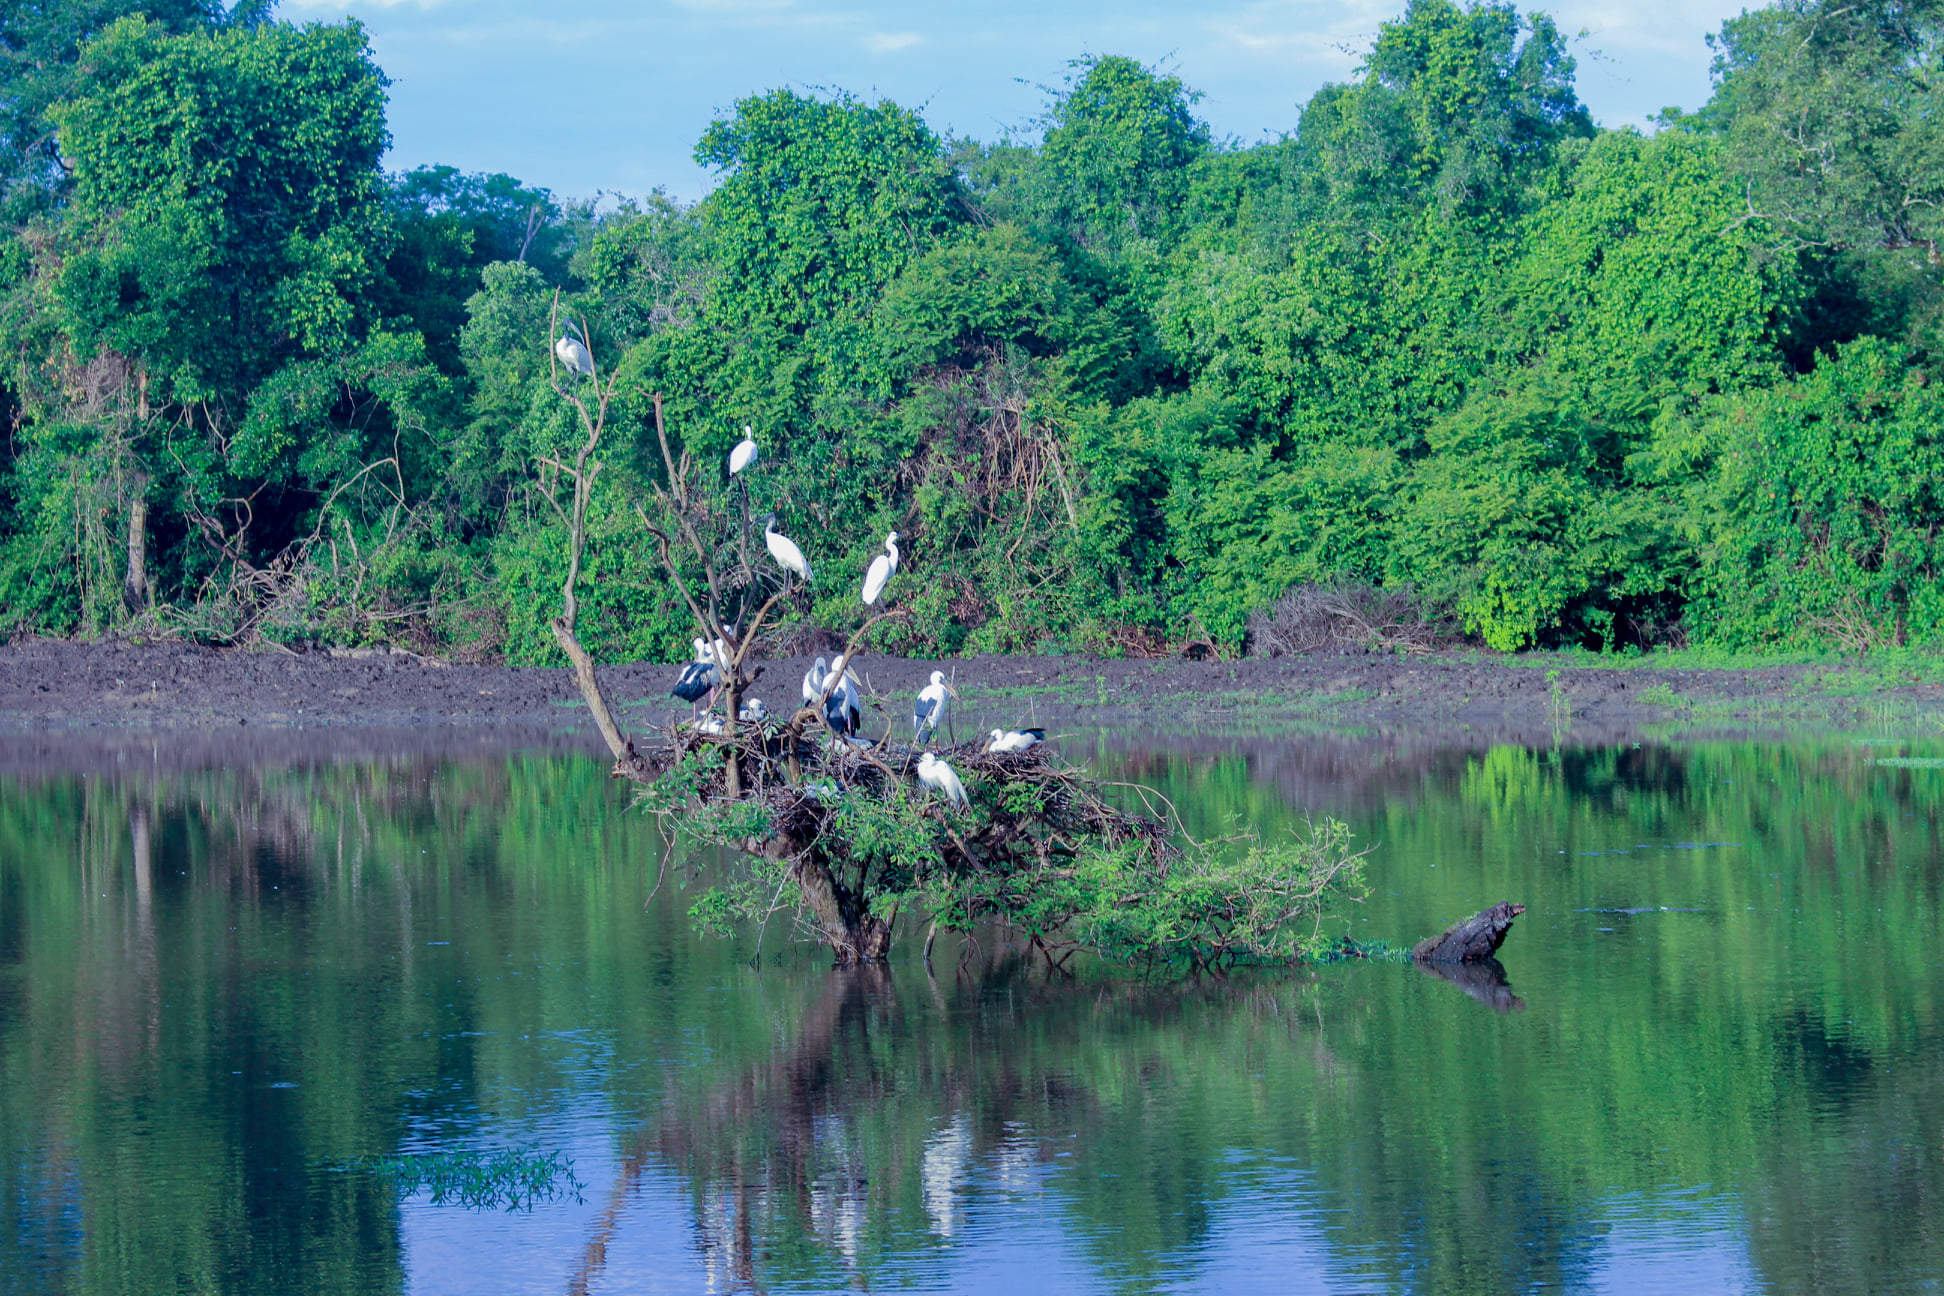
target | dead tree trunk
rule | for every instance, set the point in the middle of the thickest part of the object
(1471, 940)
(135, 583)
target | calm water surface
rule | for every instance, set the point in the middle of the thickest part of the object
(1716, 1066)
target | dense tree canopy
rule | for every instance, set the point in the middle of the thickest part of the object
(1117, 383)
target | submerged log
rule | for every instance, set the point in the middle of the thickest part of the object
(1475, 938)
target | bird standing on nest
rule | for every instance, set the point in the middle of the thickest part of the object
(935, 773)
(934, 702)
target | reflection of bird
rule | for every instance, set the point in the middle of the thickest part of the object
(883, 568)
(784, 550)
(929, 711)
(813, 682)
(744, 455)
(935, 773)
(1016, 740)
(572, 354)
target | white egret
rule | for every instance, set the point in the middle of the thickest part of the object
(784, 550)
(883, 568)
(813, 683)
(935, 773)
(934, 700)
(744, 455)
(1016, 740)
(574, 356)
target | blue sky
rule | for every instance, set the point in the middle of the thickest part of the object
(603, 95)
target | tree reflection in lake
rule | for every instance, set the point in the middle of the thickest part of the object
(218, 987)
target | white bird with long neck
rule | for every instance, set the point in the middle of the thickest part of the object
(936, 774)
(784, 550)
(934, 700)
(577, 358)
(813, 683)
(883, 568)
(744, 455)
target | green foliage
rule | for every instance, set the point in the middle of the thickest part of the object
(226, 211)
(821, 203)
(1114, 161)
(1116, 385)
(1822, 509)
(1035, 849)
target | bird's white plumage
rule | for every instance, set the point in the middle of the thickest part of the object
(880, 572)
(1015, 740)
(569, 351)
(929, 711)
(936, 774)
(813, 683)
(785, 551)
(753, 710)
(883, 568)
(744, 455)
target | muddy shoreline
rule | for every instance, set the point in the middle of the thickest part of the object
(244, 701)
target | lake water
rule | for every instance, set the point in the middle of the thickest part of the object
(227, 995)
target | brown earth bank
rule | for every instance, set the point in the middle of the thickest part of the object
(235, 695)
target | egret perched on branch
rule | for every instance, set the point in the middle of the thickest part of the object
(934, 700)
(883, 568)
(813, 683)
(935, 773)
(574, 356)
(784, 550)
(744, 455)
(1016, 740)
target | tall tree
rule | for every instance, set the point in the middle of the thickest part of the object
(40, 41)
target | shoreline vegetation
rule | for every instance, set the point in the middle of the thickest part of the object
(1446, 363)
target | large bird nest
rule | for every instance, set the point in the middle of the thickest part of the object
(851, 819)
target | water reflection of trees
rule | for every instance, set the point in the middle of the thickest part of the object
(158, 932)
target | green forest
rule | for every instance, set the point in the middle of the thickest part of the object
(1118, 384)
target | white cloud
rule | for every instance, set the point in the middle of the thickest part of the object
(891, 42)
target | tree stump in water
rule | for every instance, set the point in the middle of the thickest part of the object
(1471, 940)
